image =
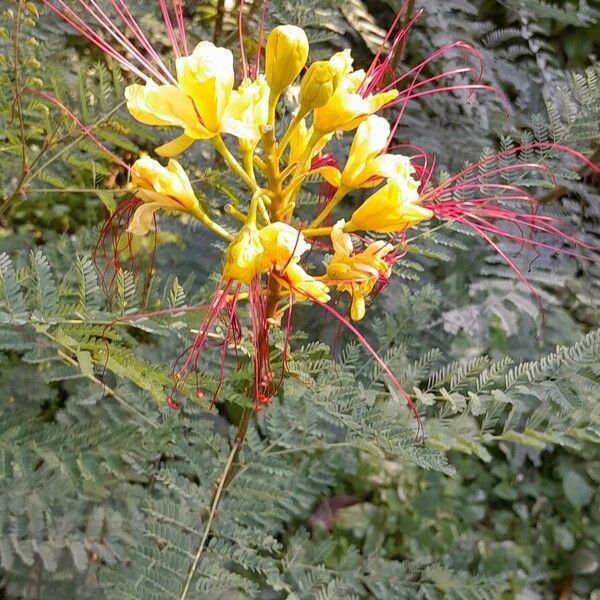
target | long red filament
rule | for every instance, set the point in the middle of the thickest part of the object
(259, 40)
(178, 10)
(365, 344)
(164, 9)
(241, 39)
(80, 125)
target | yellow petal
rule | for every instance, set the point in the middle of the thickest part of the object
(357, 308)
(390, 209)
(363, 162)
(244, 255)
(331, 175)
(137, 104)
(207, 77)
(342, 242)
(347, 108)
(143, 218)
(283, 245)
(356, 272)
(304, 286)
(174, 147)
(153, 104)
(169, 187)
(247, 111)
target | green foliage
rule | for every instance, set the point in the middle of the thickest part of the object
(105, 491)
(125, 481)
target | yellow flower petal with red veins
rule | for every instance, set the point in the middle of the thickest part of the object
(207, 77)
(174, 147)
(247, 111)
(160, 187)
(303, 285)
(244, 255)
(347, 108)
(283, 244)
(165, 105)
(393, 207)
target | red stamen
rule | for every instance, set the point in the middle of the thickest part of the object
(362, 340)
(231, 305)
(241, 40)
(129, 21)
(171, 403)
(178, 10)
(79, 124)
(74, 21)
(259, 41)
(169, 27)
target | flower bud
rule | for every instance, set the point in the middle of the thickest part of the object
(244, 255)
(285, 56)
(317, 86)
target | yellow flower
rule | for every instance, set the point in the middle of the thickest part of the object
(206, 76)
(303, 285)
(286, 52)
(160, 187)
(366, 166)
(247, 111)
(244, 254)
(283, 245)
(357, 273)
(347, 108)
(200, 103)
(393, 207)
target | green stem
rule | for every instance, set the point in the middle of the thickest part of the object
(208, 222)
(316, 231)
(232, 163)
(337, 198)
(285, 140)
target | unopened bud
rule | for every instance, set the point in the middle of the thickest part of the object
(317, 86)
(285, 56)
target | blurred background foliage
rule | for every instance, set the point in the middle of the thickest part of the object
(95, 468)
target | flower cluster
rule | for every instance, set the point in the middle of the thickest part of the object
(204, 104)
(268, 236)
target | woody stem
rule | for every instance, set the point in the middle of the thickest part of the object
(277, 212)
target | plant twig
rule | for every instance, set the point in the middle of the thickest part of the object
(107, 390)
(17, 108)
(214, 504)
